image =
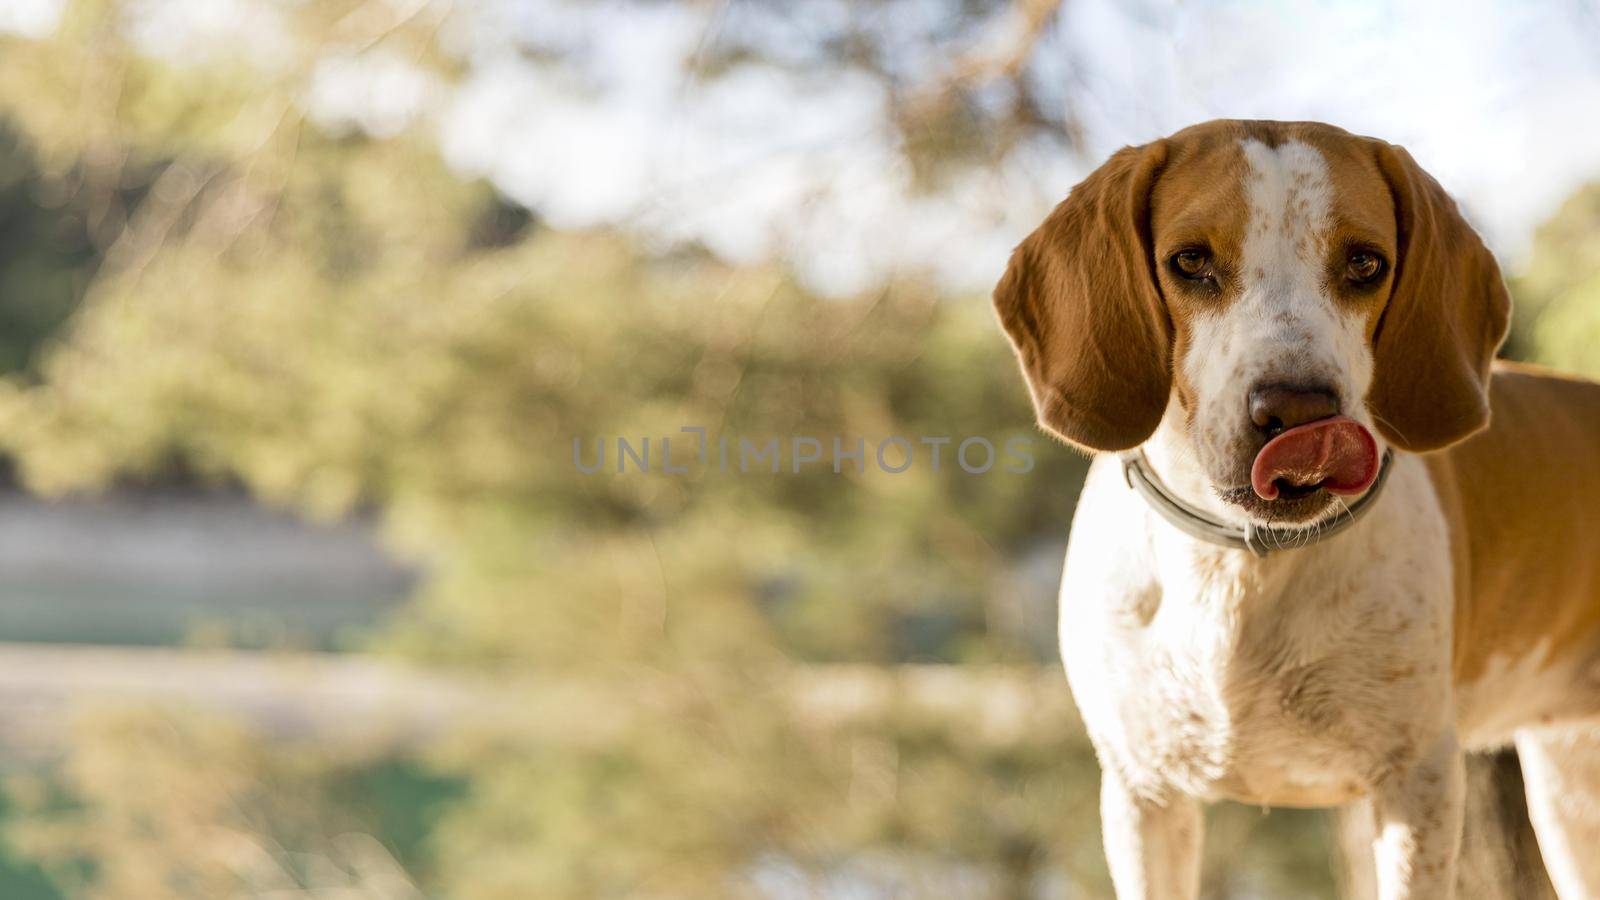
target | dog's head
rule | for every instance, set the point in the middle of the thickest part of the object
(1279, 290)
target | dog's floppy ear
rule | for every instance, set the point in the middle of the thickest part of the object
(1080, 304)
(1446, 317)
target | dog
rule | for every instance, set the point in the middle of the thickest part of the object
(1327, 543)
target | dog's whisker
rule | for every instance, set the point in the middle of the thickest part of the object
(1389, 425)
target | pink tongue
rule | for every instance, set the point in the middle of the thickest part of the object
(1337, 454)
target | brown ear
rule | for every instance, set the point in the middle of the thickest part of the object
(1446, 317)
(1080, 304)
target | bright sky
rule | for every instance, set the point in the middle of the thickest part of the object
(780, 157)
(1496, 97)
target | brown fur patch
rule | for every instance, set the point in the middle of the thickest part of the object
(1523, 504)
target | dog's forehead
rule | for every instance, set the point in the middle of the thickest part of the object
(1211, 188)
(1201, 195)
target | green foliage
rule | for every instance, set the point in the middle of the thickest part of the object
(704, 793)
(157, 804)
(48, 251)
(338, 323)
(1558, 297)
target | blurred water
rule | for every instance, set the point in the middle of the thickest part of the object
(169, 567)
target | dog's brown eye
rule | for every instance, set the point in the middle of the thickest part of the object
(1364, 267)
(1192, 263)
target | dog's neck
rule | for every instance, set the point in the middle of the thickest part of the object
(1236, 574)
(1170, 452)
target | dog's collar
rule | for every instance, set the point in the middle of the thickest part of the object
(1260, 541)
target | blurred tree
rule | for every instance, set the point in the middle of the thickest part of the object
(48, 251)
(333, 318)
(1558, 295)
(158, 804)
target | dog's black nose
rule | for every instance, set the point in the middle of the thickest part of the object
(1277, 407)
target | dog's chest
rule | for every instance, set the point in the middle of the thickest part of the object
(1296, 682)
(1263, 718)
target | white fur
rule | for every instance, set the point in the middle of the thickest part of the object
(1313, 677)
(1561, 768)
(1285, 326)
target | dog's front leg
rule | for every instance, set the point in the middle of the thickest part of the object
(1418, 810)
(1153, 846)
